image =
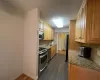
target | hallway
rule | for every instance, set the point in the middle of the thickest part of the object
(56, 70)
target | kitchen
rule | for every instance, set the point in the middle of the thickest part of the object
(48, 46)
(84, 40)
(34, 40)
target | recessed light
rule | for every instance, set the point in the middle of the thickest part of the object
(58, 22)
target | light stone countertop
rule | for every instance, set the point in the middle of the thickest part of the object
(82, 62)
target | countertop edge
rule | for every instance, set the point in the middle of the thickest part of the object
(84, 67)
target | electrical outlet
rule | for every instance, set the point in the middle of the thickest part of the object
(98, 52)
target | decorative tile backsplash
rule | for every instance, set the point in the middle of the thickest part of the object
(43, 42)
(94, 56)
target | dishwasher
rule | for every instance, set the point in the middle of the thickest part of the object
(49, 55)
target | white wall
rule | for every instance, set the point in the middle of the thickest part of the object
(11, 43)
(62, 30)
(31, 41)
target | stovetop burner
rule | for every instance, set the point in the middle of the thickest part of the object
(42, 50)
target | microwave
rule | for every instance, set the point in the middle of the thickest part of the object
(85, 52)
(41, 35)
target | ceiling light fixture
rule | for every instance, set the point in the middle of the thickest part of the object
(58, 22)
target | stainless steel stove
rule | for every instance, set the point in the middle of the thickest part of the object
(42, 50)
(43, 59)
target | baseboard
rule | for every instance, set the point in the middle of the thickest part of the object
(33, 77)
(53, 56)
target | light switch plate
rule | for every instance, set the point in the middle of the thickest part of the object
(98, 52)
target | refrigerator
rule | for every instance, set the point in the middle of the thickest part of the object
(67, 43)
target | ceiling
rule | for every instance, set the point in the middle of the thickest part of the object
(50, 9)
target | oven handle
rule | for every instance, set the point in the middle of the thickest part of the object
(44, 67)
(44, 55)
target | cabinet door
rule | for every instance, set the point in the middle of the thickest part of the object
(93, 21)
(52, 34)
(49, 33)
(78, 29)
(79, 73)
(69, 71)
(46, 32)
(52, 52)
(83, 22)
(55, 49)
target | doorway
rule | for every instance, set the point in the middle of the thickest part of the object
(61, 43)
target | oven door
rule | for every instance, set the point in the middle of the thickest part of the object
(43, 61)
